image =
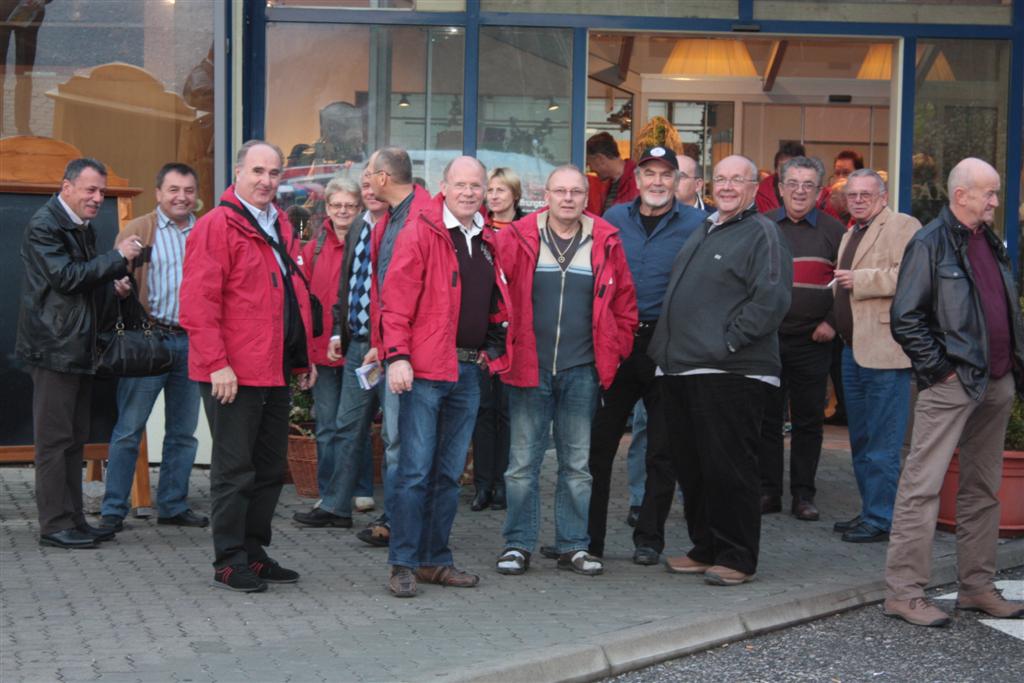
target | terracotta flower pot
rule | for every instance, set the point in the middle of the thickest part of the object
(1011, 495)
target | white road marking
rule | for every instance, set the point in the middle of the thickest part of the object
(1012, 590)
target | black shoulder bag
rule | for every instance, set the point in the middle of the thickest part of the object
(135, 347)
(315, 307)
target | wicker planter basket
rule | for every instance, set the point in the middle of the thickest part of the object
(302, 464)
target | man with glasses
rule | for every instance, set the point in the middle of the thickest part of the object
(718, 353)
(805, 342)
(653, 228)
(574, 315)
(876, 372)
(690, 189)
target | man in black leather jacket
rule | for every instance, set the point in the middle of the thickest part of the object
(64, 283)
(957, 316)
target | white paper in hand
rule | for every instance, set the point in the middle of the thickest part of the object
(369, 375)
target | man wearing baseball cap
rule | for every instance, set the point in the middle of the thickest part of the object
(653, 228)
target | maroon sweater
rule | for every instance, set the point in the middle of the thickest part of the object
(989, 282)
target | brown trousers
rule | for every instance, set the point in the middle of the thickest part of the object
(944, 418)
(61, 407)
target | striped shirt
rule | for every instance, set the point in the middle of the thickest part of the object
(164, 275)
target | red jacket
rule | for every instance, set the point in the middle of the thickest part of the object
(232, 298)
(615, 312)
(598, 191)
(420, 200)
(324, 271)
(423, 294)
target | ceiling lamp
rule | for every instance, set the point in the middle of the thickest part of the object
(552, 105)
(707, 57)
(404, 102)
(877, 65)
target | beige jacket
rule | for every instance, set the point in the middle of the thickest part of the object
(875, 266)
(144, 227)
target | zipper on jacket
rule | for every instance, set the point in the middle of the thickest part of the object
(558, 326)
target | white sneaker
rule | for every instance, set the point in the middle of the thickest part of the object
(363, 503)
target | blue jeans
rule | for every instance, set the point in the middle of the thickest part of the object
(436, 420)
(389, 434)
(135, 399)
(877, 409)
(343, 414)
(568, 398)
(636, 463)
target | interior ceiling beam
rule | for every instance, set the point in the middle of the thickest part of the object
(625, 57)
(771, 69)
(926, 56)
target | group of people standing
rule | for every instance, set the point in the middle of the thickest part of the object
(558, 322)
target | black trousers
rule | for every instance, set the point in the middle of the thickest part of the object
(713, 435)
(633, 381)
(491, 435)
(247, 465)
(805, 368)
(61, 408)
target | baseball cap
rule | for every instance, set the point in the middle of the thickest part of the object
(659, 153)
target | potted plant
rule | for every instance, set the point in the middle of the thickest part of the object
(1011, 490)
(302, 443)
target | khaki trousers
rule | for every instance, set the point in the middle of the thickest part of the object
(944, 418)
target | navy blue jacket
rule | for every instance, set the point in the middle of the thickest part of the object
(650, 258)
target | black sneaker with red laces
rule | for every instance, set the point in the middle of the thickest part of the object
(238, 577)
(271, 572)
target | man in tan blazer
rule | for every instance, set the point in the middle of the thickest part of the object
(876, 372)
(157, 274)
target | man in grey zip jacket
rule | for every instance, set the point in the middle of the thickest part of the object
(717, 354)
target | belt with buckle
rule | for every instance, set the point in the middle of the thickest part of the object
(173, 329)
(645, 326)
(467, 355)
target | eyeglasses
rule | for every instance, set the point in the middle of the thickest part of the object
(806, 186)
(472, 187)
(573, 192)
(860, 196)
(379, 172)
(735, 181)
(338, 206)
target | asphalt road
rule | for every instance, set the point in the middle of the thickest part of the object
(863, 645)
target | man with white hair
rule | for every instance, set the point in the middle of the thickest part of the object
(718, 353)
(956, 315)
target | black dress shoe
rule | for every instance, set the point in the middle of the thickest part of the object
(186, 518)
(843, 527)
(318, 517)
(865, 533)
(634, 515)
(482, 501)
(498, 501)
(71, 539)
(770, 504)
(646, 556)
(99, 534)
(111, 522)
(805, 510)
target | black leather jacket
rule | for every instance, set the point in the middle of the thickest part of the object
(937, 315)
(62, 293)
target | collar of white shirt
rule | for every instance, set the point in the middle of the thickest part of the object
(450, 221)
(265, 217)
(71, 214)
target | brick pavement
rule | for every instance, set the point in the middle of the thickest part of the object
(142, 608)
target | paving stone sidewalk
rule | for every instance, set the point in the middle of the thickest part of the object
(141, 608)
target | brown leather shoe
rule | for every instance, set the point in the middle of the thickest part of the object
(916, 611)
(402, 582)
(804, 510)
(770, 504)
(447, 576)
(718, 575)
(993, 603)
(684, 565)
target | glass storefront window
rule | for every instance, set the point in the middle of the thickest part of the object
(127, 82)
(993, 12)
(960, 110)
(419, 5)
(524, 107)
(696, 9)
(705, 128)
(337, 92)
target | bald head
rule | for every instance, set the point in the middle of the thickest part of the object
(464, 163)
(463, 186)
(973, 187)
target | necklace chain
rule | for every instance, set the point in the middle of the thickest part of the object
(554, 243)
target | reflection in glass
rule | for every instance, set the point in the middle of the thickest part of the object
(524, 107)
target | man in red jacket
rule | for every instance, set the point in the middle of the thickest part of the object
(246, 310)
(616, 177)
(442, 313)
(574, 315)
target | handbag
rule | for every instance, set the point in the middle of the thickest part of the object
(135, 346)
